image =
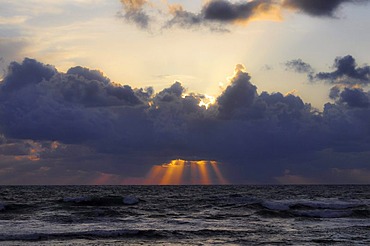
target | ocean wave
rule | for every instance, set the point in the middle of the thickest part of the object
(121, 234)
(130, 200)
(101, 201)
(95, 234)
(234, 200)
(315, 209)
(113, 234)
(276, 205)
(330, 204)
(77, 199)
(326, 213)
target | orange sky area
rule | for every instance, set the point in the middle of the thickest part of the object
(179, 172)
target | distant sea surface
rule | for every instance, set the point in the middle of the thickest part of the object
(185, 215)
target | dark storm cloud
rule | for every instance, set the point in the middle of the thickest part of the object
(88, 74)
(219, 12)
(354, 97)
(79, 107)
(225, 11)
(346, 72)
(37, 102)
(318, 7)
(239, 94)
(215, 14)
(28, 73)
(82, 121)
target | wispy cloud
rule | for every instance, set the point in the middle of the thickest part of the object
(134, 12)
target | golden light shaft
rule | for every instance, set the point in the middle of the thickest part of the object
(179, 172)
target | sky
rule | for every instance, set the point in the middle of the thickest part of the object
(184, 92)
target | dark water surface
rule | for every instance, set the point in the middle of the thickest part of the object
(185, 215)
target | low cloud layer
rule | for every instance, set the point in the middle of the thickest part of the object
(78, 126)
(215, 14)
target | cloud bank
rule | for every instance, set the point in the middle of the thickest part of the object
(78, 126)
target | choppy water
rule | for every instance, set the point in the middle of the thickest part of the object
(187, 215)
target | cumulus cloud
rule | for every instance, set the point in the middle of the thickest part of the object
(85, 123)
(346, 72)
(28, 73)
(240, 94)
(354, 97)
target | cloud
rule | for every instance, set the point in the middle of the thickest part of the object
(215, 14)
(37, 102)
(28, 73)
(134, 12)
(239, 94)
(299, 66)
(346, 72)
(225, 11)
(318, 8)
(354, 97)
(81, 124)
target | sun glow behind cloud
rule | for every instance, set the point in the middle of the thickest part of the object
(207, 101)
(179, 172)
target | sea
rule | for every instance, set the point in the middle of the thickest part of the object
(185, 215)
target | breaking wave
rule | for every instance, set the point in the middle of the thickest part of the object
(241, 215)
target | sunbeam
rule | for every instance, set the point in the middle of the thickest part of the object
(179, 172)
